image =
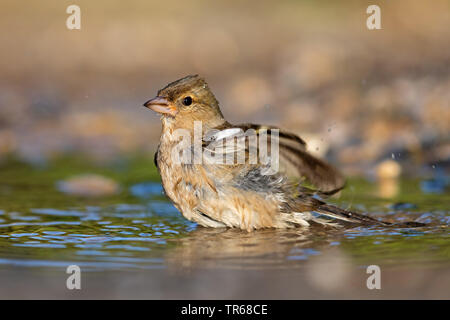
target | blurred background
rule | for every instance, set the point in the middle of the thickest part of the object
(77, 180)
(358, 97)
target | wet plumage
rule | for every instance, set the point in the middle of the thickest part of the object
(240, 194)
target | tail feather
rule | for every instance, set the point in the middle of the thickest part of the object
(349, 216)
(353, 217)
(307, 203)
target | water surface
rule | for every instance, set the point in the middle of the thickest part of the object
(137, 240)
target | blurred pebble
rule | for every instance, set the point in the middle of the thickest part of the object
(88, 185)
(388, 169)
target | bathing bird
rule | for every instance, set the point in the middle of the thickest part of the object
(245, 176)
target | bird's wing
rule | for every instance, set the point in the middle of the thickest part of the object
(294, 161)
(254, 177)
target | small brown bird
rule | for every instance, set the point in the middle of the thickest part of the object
(239, 194)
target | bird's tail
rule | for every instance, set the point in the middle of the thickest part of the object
(353, 217)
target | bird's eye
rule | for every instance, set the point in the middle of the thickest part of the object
(187, 101)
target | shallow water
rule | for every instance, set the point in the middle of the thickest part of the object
(137, 236)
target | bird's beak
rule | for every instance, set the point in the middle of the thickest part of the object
(161, 105)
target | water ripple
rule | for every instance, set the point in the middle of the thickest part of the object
(117, 236)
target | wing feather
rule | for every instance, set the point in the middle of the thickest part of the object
(294, 160)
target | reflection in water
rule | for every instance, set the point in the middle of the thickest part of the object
(388, 188)
(206, 248)
(231, 248)
(388, 173)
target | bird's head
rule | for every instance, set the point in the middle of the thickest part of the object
(187, 100)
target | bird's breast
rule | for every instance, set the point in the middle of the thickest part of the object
(184, 183)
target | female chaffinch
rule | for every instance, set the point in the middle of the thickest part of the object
(242, 194)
